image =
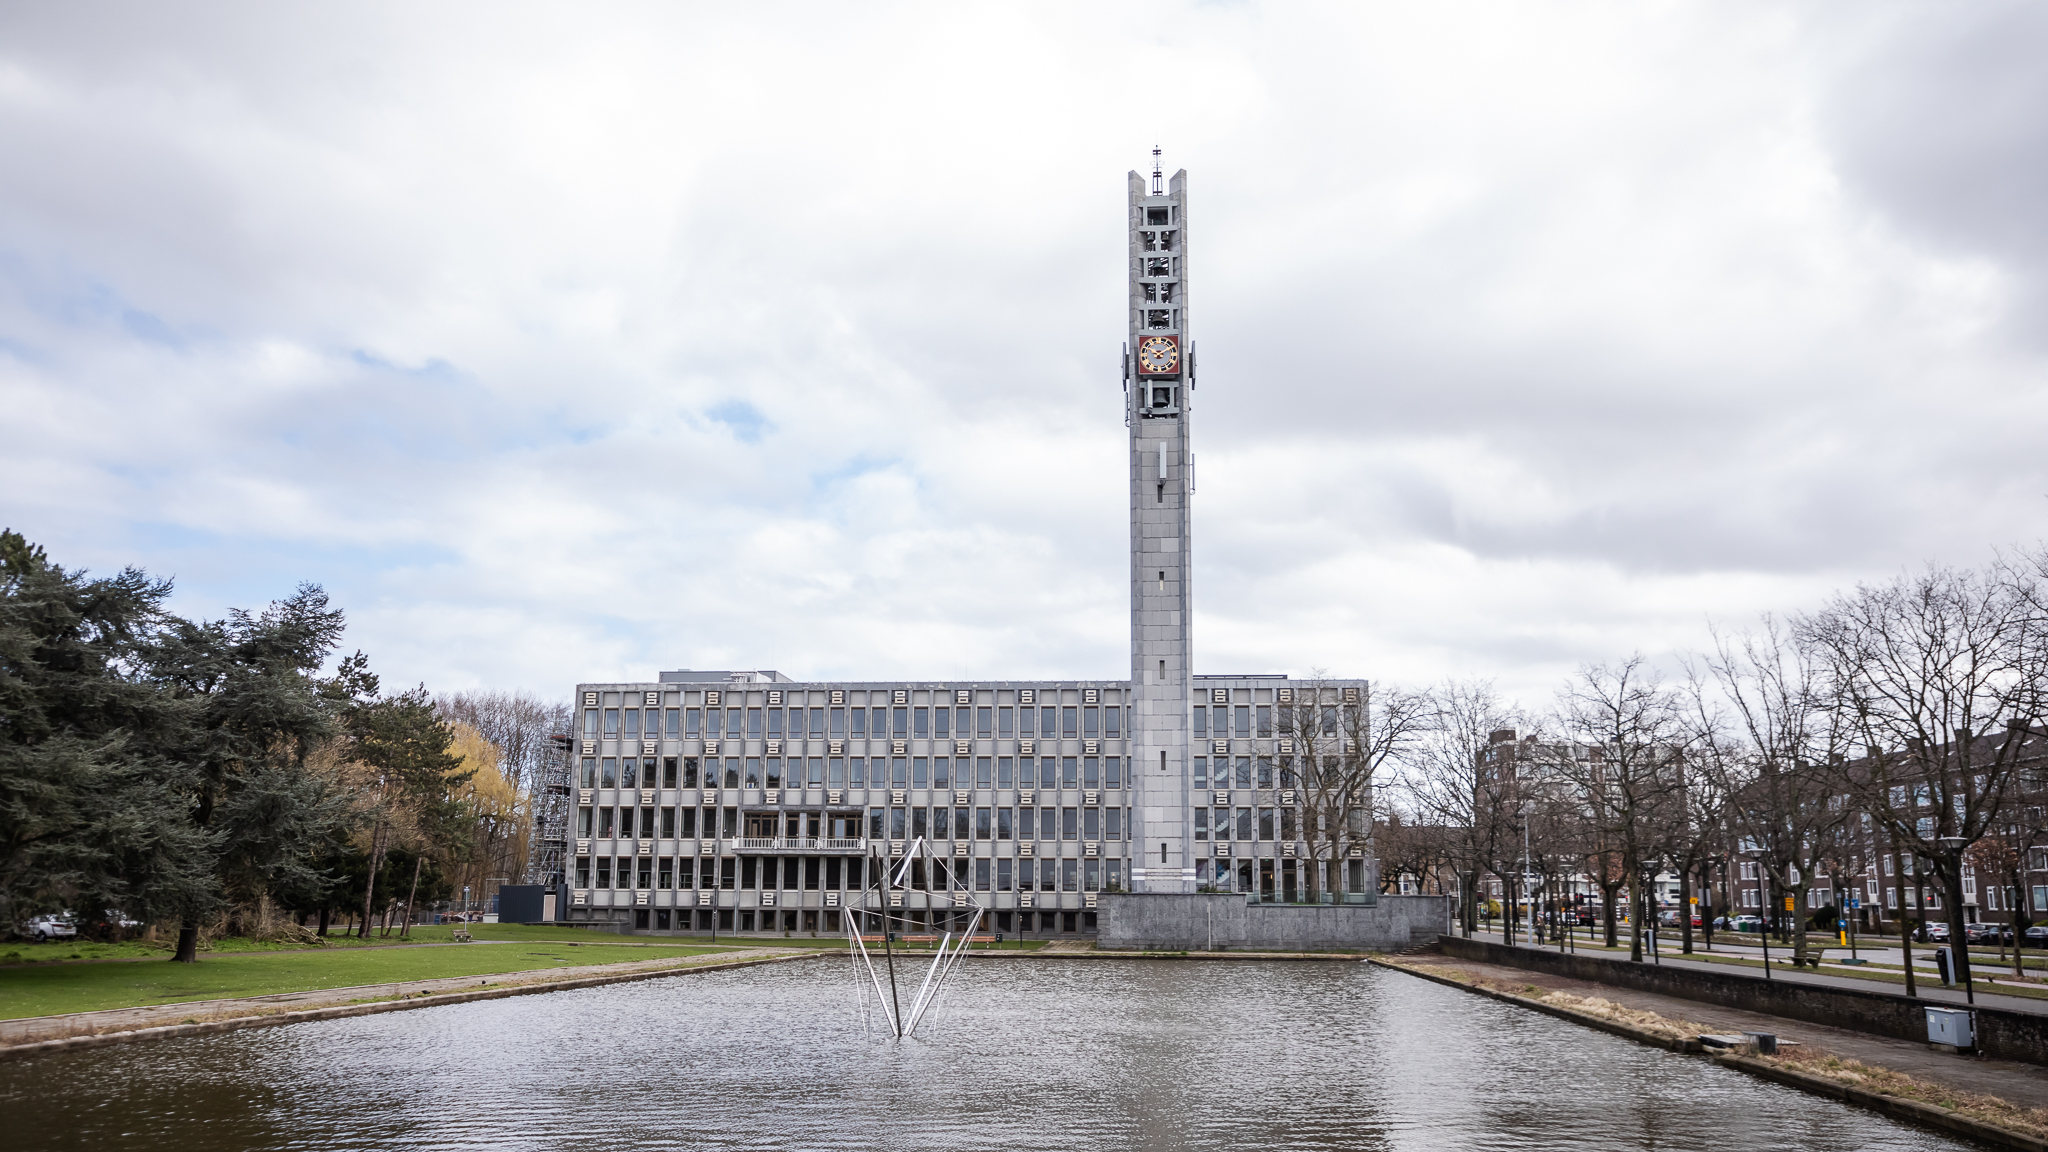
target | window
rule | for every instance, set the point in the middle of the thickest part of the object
(984, 823)
(1112, 720)
(1004, 816)
(1070, 776)
(984, 772)
(1003, 876)
(1265, 720)
(1048, 722)
(1091, 823)
(1091, 722)
(902, 721)
(611, 723)
(583, 822)
(1112, 772)
(922, 717)
(1069, 721)
(1004, 771)
(609, 778)
(1244, 720)
(1201, 720)
(1266, 824)
(590, 723)
(943, 728)
(981, 877)
(983, 722)
(714, 723)
(1091, 772)
(589, 772)
(942, 772)
(1244, 824)
(583, 871)
(860, 723)
(1112, 824)
(1201, 772)
(1201, 823)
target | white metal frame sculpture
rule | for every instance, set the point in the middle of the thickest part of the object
(903, 1021)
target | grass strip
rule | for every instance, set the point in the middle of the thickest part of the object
(52, 989)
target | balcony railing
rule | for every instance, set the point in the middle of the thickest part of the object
(801, 844)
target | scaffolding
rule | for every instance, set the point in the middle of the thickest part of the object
(551, 809)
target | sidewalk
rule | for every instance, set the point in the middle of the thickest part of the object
(1986, 998)
(2024, 1084)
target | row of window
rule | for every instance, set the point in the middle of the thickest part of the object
(831, 874)
(1266, 821)
(669, 823)
(857, 723)
(1091, 772)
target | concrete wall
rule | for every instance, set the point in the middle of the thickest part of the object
(2000, 1033)
(1195, 922)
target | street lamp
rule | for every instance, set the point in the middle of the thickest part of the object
(1959, 949)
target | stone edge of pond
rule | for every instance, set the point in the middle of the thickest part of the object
(341, 1011)
(1612, 1027)
(1929, 1115)
(1920, 1112)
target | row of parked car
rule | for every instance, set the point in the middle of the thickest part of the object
(64, 926)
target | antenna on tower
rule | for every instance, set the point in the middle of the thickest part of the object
(1158, 179)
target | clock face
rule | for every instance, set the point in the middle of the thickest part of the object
(1158, 356)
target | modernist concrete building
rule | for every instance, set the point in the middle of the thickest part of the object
(746, 801)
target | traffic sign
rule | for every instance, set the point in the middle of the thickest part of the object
(1788, 903)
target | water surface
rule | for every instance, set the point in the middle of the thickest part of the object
(1026, 1054)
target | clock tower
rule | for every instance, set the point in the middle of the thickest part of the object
(1158, 382)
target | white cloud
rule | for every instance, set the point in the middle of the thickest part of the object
(573, 347)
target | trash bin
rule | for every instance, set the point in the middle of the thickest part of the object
(1944, 966)
(1953, 1027)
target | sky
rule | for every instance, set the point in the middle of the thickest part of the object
(574, 343)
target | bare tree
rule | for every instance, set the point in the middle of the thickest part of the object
(1344, 737)
(1624, 748)
(1458, 776)
(1941, 676)
(519, 726)
(1771, 759)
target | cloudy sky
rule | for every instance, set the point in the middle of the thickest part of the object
(567, 342)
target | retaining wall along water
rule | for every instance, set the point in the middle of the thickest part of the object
(1200, 922)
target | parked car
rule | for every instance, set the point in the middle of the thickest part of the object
(50, 927)
(1746, 924)
(1987, 933)
(2037, 936)
(1935, 931)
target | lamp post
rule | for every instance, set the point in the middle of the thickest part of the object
(1959, 950)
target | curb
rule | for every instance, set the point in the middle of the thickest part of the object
(341, 1011)
(1612, 1027)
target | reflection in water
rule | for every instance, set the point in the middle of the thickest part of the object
(1077, 1054)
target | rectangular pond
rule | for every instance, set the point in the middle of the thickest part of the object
(1020, 1054)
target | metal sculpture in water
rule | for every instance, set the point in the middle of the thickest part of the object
(902, 1020)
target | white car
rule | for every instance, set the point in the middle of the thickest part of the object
(49, 928)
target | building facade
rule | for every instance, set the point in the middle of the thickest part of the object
(746, 801)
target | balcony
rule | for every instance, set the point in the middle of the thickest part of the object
(800, 846)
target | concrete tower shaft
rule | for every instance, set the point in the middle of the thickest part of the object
(1158, 381)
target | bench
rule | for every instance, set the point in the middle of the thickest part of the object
(926, 939)
(460, 934)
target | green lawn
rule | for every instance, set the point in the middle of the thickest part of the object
(60, 951)
(48, 989)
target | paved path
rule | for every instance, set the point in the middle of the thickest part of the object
(2024, 1084)
(33, 1029)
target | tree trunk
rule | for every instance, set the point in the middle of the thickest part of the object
(1609, 893)
(188, 944)
(1685, 906)
(326, 917)
(415, 891)
(1958, 945)
(1905, 925)
(370, 882)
